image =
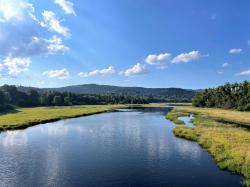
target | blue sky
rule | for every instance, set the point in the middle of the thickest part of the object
(151, 43)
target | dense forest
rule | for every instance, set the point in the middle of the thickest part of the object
(229, 96)
(10, 97)
(151, 94)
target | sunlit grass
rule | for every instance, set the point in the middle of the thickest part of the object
(25, 117)
(173, 116)
(228, 144)
(222, 115)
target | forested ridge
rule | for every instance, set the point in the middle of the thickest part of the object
(228, 96)
(11, 97)
(151, 94)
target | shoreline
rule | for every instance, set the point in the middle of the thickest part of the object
(28, 117)
(228, 143)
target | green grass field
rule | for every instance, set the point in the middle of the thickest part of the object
(228, 144)
(25, 117)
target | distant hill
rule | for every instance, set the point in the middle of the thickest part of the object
(154, 94)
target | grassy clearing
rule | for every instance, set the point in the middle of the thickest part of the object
(25, 117)
(229, 145)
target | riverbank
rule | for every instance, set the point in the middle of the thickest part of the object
(26, 117)
(217, 131)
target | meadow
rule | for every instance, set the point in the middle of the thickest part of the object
(25, 117)
(217, 131)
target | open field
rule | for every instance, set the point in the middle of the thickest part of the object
(228, 144)
(25, 117)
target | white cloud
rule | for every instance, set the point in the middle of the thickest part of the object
(225, 65)
(23, 36)
(60, 74)
(16, 65)
(159, 59)
(48, 46)
(1, 67)
(248, 42)
(137, 69)
(186, 57)
(17, 10)
(53, 24)
(220, 72)
(235, 51)
(246, 72)
(67, 6)
(109, 70)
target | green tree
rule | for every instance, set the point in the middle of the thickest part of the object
(57, 100)
(34, 98)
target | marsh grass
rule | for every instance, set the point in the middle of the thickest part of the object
(25, 117)
(220, 115)
(228, 144)
(173, 116)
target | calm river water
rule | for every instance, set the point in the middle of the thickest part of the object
(129, 148)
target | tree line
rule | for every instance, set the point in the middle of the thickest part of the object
(228, 96)
(11, 97)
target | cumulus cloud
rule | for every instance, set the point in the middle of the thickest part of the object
(225, 65)
(39, 46)
(15, 65)
(53, 45)
(23, 36)
(235, 51)
(16, 10)
(109, 70)
(53, 24)
(159, 59)
(60, 73)
(67, 6)
(137, 69)
(186, 57)
(246, 72)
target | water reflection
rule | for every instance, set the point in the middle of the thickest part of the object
(121, 149)
(187, 120)
(13, 138)
(58, 129)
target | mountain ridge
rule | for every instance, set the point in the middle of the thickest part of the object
(156, 94)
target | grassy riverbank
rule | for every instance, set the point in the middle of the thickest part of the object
(25, 117)
(216, 131)
(221, 115)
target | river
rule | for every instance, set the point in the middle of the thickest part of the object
(126, 148)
